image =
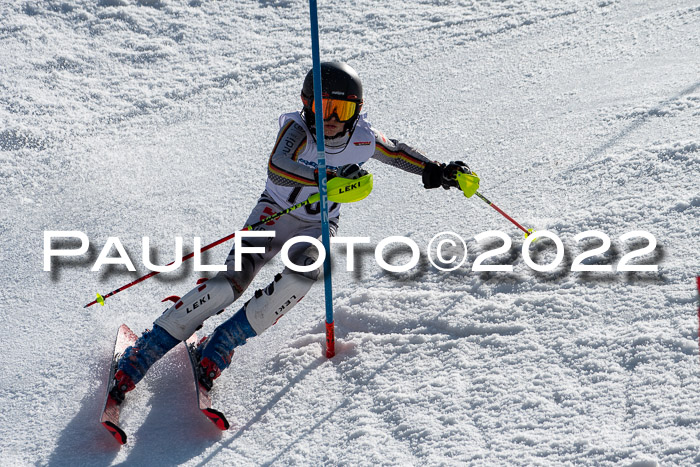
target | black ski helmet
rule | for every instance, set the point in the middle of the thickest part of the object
(339, 81)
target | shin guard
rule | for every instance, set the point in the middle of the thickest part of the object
(187, 315)
(271, 303)
(259, 313)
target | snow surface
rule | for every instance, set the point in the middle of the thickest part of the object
(155, 118)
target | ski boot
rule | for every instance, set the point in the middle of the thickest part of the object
(121, 385)
(208, 371)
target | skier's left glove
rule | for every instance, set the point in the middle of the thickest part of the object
(443, 175)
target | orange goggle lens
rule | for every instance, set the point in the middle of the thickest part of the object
(344, 110)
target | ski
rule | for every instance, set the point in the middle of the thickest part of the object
(111, 409)
(203, 396)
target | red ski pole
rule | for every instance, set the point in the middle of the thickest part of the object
(501, 212)
(469, 183)
(100, 298)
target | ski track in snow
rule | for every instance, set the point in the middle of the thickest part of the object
(134, 118)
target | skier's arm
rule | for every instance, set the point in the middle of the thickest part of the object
(397, 154)
(283, 168)
(433, 173)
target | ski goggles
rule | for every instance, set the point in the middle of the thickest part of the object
(344, 110)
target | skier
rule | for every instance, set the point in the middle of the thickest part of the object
(292, 177)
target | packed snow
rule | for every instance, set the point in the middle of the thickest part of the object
(132, 118)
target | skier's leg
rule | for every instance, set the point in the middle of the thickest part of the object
(137, 359)
(256, 315)
(175, 325)
(260, 312)
(179, 321)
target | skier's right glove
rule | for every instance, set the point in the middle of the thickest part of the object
(351, 171)
(330, 173)
(443, 175)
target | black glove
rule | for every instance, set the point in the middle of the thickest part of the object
(351, 171)
(443, 175)
(449, 173)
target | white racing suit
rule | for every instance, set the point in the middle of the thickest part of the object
(290, 180)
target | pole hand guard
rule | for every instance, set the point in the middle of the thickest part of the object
(468, 183)
(346, 190)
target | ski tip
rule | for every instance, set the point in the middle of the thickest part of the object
(116, 432)
(217, 418)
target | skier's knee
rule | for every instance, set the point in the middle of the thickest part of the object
(305, 257)
(240, 280)
(188, 314)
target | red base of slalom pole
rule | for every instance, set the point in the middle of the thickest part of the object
(330, 340)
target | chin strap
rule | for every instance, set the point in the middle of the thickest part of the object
(347, 132)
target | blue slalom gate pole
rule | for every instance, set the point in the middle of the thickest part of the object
(322, 187)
